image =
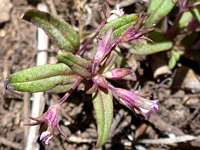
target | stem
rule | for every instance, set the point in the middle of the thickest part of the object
(92, 38)
(70, 91)
(87, 83)
(183, 7)
(171, 32)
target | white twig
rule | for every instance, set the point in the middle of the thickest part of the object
(38, 98)
(178, 139)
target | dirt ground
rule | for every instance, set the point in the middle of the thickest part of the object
(175, 126)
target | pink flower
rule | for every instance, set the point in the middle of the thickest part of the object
(100, 81)
(136, 31)
(50, 119)
(117, 73)
(104, 47)
(136, 102)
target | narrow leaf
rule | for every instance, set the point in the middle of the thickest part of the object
(145, 48)
(196, 11)
(42, 85)
(159, 9)
(184, 20)
(40, 72)
(60, 31)
(79, 65)
(62, 88)
(120, 24)
(103, 105)
(41, 78)
(174, 58)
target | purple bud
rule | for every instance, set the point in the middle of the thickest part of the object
(136, 102)
(117, 73)
(193, 24)
(135, 31)
(51, 120)
(100, 80)
(103, 48)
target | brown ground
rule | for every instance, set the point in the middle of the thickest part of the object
(178, 117)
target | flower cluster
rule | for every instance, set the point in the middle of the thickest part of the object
(104, 48)
(101, 70)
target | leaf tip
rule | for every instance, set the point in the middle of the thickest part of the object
(26, 16)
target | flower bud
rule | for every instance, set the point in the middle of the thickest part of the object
(100, 80)
(117, 73)
(135, 31)
(136, 102)
(51, 120)
(103, 48)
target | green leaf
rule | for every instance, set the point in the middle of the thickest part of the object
(196, 12)
(187, 16)
(174, 58)
(145, 48)
(120, 24)
(159, 9)
(184, 20)
(40, 72)
(62, 88)
(60, 31)
(41, 78)
(42, 85)
(103, 105)
(79, 65)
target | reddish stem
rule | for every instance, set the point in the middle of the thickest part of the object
(70, 91)
(87, 83)
(172, 31)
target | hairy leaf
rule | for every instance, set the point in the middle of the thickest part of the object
(42, 85)
(120, 24)
(60, 31)
(40, 72)
(41, 78)
(161, 44)
(159, 9)
(103, 105)
(79, 65)
(62, 88)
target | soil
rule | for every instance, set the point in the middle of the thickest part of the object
(175, 126)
